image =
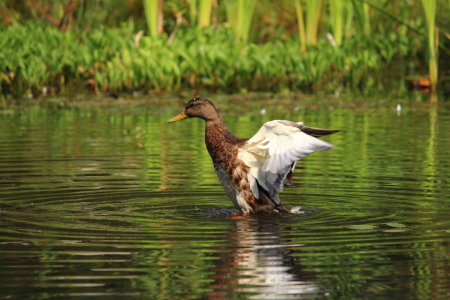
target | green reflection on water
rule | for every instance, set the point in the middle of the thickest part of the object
(111, 201)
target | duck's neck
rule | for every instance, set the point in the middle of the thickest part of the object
(220, 142)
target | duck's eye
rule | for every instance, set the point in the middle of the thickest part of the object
(192, 104)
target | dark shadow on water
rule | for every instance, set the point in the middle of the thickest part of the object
(227, 212)
(215, 212)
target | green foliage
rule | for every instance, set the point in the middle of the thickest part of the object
(313, 12)
(35, 56)
(151, 15)
(81, 52)
(192, 11)
(204, 13)
(240, 15)
(301, 25)
(337, 11)
(429, 7)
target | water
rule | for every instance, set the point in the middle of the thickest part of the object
(113, 202)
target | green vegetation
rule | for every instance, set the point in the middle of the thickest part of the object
(313, 10)
(429, 7)
(204, 14)
(329, 46)
(239, 15)
(152, 13)
(337, 13)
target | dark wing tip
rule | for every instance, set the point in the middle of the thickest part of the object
(315, 132)
(318, 132)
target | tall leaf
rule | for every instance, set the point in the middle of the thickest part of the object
(313, 8)
(204, 13)
(337, 19)
(429, 7)
(153, 16)
(301, 25)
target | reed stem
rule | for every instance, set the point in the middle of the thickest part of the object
(366, 18)
(151, 16)
(246, 8)
(204, 13)
(313, 8)
(192, 11)
(337, 19)
(301, 26)
(429, 7)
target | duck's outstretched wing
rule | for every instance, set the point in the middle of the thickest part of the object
(273, 151)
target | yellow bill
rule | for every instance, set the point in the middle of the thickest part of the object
(179, 117)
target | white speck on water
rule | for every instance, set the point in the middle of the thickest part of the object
(399, 109)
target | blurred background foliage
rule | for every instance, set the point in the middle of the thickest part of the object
(311, 46)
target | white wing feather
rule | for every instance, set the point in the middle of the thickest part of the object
(272, 152)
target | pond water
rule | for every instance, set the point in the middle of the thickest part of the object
(114, 202)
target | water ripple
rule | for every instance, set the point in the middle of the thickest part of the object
(107, 209)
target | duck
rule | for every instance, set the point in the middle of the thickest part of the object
(254, 171)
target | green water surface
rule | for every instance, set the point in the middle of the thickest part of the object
(114, 202)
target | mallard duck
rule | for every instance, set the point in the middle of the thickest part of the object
(254, 171)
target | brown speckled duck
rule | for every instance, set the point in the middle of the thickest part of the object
(254, 171)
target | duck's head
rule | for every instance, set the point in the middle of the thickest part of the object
(198, 108)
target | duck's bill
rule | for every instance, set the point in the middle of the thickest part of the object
(179, 117)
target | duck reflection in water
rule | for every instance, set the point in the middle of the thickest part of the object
(261, 264)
